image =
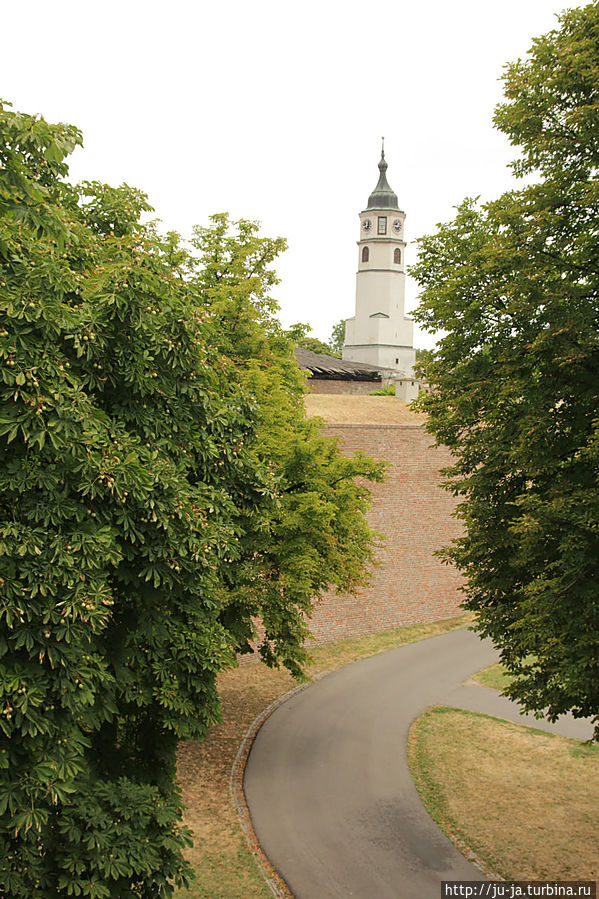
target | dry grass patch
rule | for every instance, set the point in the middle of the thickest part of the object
(223, 863)
(376, 410)
(523, 800)
(225, 868)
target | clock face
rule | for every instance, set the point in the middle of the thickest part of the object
(397, 226)
(366, 224)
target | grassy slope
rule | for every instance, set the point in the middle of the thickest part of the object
(525, 802)
(343, 409)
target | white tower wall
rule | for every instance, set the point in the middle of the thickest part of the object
(380, 333)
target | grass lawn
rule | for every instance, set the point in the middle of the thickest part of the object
(225, 867)
(523, 801)
(495, 677)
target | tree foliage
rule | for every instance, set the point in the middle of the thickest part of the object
(300, 333)
(514, 284)
(315, 535)
(160, 488)
(337, 338)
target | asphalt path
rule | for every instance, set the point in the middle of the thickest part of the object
(327, 780)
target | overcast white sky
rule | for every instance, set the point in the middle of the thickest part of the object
(274, 111)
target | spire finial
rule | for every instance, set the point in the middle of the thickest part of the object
(383, 161)
(382, 196)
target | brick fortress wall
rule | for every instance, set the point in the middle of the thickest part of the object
(414, 514)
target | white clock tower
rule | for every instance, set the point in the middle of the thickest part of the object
(379, 333)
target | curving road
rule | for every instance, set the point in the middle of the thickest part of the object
(327, 780)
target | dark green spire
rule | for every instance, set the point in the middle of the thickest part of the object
(382, 197)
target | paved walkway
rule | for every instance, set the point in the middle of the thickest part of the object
(328, 785)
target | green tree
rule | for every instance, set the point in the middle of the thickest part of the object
(147, 511)
(315, 345)
(337, 338)
(300, 332)
(514, 284)
(313, 535)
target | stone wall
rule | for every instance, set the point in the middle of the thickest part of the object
(414, 514)
(352, 388)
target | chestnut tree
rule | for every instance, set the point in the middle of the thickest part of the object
(160, 491)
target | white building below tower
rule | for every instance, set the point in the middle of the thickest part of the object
(380, 334)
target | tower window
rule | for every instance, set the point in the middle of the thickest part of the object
(397, 256)
(382, 226)
(365, 254)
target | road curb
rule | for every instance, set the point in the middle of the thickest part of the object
(272, 878)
